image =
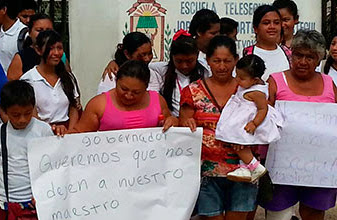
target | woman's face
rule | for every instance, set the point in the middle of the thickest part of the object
(304, 62)
(269, 29)
(130, 90)
(55, 54)
(39, 26)
(288, 22)
(333, 49)
(207, 36)
(143, 53)
(185, 63)
(222, 63)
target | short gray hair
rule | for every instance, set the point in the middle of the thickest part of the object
(310, 39)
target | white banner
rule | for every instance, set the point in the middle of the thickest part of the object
(96, 27)
(306, 154)
(129, 174)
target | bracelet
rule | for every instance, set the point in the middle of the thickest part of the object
(252, 121)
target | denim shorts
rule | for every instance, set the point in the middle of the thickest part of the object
(218, 194)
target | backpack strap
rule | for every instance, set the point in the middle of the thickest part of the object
(286, 52)
(21, 38)
(4, 154)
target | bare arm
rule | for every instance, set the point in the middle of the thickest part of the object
(91, 116)
(186, 119)
(272, 91)
(259, 98)
(15, 68)
(73, 117)
(170, 120)
(111, 68)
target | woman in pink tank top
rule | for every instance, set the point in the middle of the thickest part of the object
(303, 84)
(127, 106)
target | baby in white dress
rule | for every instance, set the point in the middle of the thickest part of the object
(248, 120)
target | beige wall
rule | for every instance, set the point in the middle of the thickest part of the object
(96, 27)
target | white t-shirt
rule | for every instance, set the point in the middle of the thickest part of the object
(19, 187)
(333, 74)
(9, 43)
(275, 60)
(106, 84)
(182, 81)
(51, 102)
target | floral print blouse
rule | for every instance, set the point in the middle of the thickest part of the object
(217, 157)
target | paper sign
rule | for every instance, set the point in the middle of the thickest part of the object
(130, 174)
(306, 154)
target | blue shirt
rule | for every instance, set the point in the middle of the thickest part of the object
(3, 78)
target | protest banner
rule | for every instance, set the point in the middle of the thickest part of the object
(126, 174)
(306, 154)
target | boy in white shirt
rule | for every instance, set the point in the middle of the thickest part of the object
(12, 31)
(18, 101)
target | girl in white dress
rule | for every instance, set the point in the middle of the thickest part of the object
(248, 120)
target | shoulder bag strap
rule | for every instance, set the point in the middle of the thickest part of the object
(4, 160)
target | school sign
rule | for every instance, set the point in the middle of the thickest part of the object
(96, 27)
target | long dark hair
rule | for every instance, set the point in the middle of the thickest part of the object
(182, 45)
(202, 21)
(130, 44)
(46, 39)
(329, 61)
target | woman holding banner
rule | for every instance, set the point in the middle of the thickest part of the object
(303, 84)
(127, 106)
(201, 104)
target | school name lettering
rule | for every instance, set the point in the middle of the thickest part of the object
(191, 7)
(240, 8)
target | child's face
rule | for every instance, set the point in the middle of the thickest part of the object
(185, 63)
(20, 116)
(244, 79)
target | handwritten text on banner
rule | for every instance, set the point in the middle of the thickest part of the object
(130, 174)
(306, 155)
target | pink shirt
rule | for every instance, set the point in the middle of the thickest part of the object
(115, 119)
(284, 93)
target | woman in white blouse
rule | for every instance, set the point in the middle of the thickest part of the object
(56, 91)
(182, 69)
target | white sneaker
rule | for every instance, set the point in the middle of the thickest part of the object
(240, 175)
(258, 172)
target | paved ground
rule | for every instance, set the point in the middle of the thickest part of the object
(330, 214)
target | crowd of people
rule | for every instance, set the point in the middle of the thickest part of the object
(205, 83)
